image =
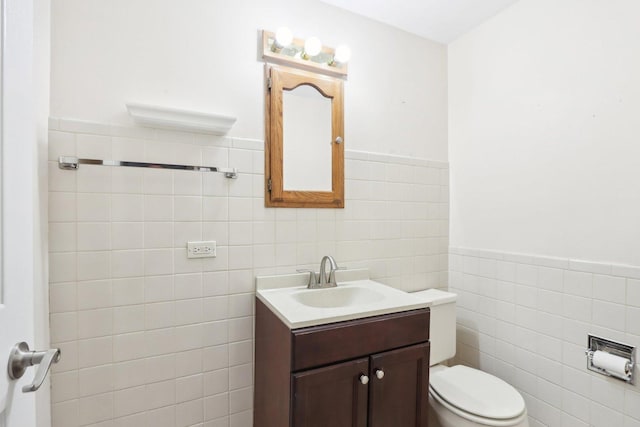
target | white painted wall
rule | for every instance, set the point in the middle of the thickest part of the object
(544, 154)
(108, 223)
(543, 131)
(203, 55)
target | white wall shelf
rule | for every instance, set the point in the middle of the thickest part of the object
(177, 119)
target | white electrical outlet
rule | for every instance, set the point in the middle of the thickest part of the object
(201, 249)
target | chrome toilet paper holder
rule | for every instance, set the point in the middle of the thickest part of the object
(595, 343)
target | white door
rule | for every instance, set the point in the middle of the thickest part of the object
(22, 291)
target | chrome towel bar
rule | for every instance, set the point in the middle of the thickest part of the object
(72, 163)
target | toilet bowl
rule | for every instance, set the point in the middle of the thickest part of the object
(461, 396)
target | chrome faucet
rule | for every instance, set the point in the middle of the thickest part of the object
(331, 282)
(321, 281)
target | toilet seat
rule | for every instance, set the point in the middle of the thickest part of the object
(477, 396)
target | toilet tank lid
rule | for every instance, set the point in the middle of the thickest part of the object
(477, 393)
(435, 296)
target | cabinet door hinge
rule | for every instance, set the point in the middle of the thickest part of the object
(269, 184)
(268, 82)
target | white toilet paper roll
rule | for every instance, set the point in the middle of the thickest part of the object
(615, 365)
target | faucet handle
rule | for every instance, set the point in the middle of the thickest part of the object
(332, 274)
(312, 276)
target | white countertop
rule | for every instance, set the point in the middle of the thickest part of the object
(283, 295)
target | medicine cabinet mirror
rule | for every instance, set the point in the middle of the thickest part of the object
(304, 150)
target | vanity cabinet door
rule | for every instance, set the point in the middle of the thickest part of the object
(399, 387)
(331, 396)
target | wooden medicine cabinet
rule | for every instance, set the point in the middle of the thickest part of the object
(304, 144)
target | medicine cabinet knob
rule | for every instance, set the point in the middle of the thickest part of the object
(379, 374)
(339, 140)
(364, 379)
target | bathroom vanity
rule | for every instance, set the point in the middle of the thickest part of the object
(369, 370)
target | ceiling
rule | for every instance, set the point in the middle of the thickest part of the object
(439, 20)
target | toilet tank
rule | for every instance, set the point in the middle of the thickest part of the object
(442, 329)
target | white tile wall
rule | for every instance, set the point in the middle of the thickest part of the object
(526, 319)
(150, 337)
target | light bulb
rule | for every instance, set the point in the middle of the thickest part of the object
(283, 37)
(343, 54)
(312, 46)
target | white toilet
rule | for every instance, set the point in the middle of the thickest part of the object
(460, 396)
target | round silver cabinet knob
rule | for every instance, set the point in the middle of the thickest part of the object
(339, 140)
(379, 374)
(364, 379)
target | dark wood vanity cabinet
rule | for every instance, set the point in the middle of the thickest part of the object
(371, 372)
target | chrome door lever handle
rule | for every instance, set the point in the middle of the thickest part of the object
(21, 358)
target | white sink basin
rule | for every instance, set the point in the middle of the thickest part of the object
(356, 296)
(336, 297)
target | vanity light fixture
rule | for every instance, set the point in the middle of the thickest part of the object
(281, 47)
